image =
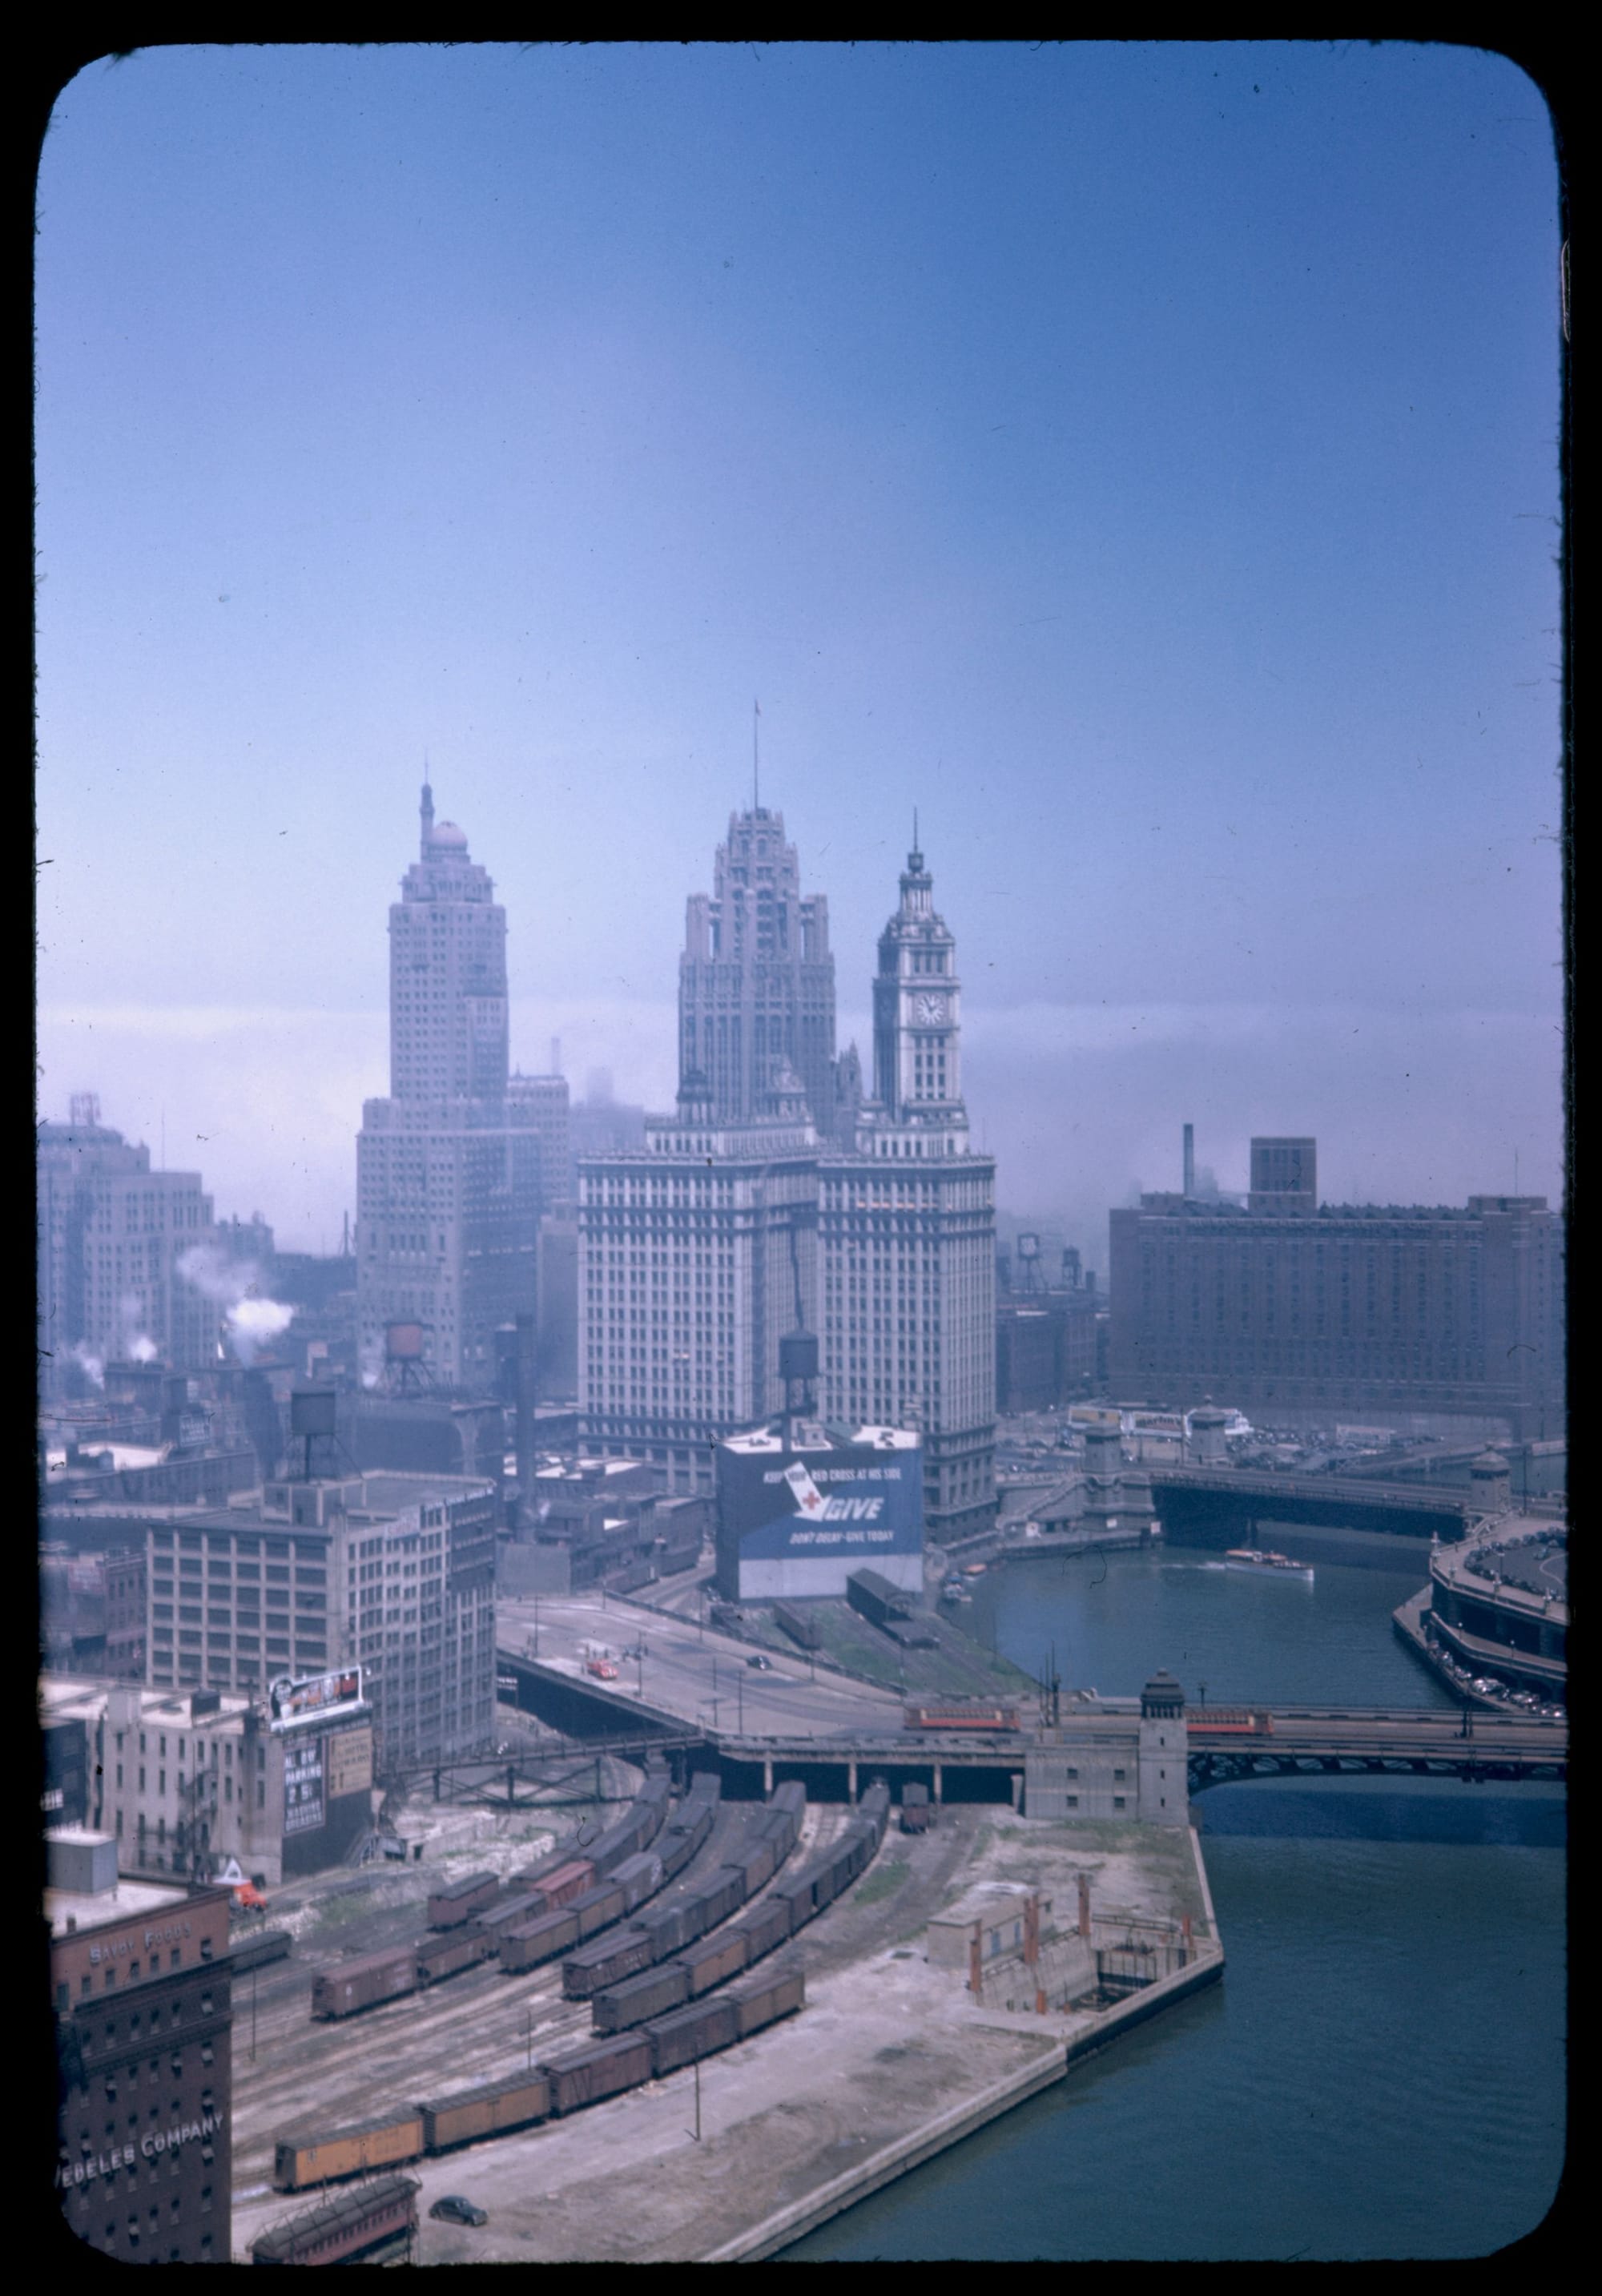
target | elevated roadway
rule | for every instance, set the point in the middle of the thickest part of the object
(1433, 1742)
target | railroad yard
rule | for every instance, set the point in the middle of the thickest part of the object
(890, 2056)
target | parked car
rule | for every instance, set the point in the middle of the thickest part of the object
(452, 2208)
(756, 1658)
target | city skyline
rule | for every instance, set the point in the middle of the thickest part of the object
(1140, 460)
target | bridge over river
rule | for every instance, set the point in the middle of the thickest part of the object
(1433, 1742)
(1217, 1503)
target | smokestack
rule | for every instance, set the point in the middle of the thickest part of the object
(1084, 1905)
(525, 1421)
(1190, 1159)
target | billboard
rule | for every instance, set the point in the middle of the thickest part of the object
(349, 1755)
(798, 1519)
(302, 1809)
(293, 1702)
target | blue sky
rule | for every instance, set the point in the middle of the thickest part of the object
(1144, 460)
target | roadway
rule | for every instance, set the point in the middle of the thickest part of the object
(687, 1672)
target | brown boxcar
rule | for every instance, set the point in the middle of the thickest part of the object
(528, 1905)
(598, 1908)
(711, 1959)
(687, 2034)
(767, 1999)
(758, 1867)
(723, 1895)
(566, 1883)
(639, 1877)
(606, 1961)
(357, 1984)
(452, 1954)
(765, 1926)
(603, 2068)
(301, 2160)
(459, 1901)
(790, 1796)
(510, 2103)
(651, 1995)
(539, 1941)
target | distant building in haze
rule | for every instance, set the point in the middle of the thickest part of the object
(456, 1166)
(1299, 1311)
(111, 1233)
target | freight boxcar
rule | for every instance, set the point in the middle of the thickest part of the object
(510, 2103)
(723, 1895)
(917, 1811)
(874, 1808)
(686, 2034)
(601, 2069)
(799, 1891)
(359, 1984)
(640, 1998)
(605, 1961)
(762, 2000)
(756, 1867)
(298, 2160)
(452, 1954)
(255, 1952)
(510, 1913)
(791, 1796)
(710, 1960)
(639, 1877)
(459, 1901)
(568, 1881)
(672, 1927)
(765, 1926)
(532, 1943)
(349, 2229)
(598, 1908)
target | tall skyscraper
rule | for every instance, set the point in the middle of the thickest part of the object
(907, 1230)
(756, 980)
(740, 1222)
(452, 1169)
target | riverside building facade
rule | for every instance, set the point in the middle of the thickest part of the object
(455, 1168)
(1298, 1310)
(907, 1232)
(699, 1253)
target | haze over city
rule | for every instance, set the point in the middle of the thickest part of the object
(1140, 460)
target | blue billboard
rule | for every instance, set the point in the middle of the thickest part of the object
(796, 1518)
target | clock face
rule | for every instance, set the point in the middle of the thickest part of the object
(930, 1008)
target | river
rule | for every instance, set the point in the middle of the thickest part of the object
(1381, 2071)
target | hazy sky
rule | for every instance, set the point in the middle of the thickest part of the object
(1143, 459)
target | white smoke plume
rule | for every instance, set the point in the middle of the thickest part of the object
(91, 1364)
(143, 1349)
(371, 1363)
(250, 1320)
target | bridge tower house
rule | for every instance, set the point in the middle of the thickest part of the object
(1165, 1746)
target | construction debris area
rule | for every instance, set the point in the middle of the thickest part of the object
(963, 1971)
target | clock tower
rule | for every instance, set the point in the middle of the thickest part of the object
(917, 1075)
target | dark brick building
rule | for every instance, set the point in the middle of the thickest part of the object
(143, 2045)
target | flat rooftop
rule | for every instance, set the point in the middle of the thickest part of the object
(82, 1909)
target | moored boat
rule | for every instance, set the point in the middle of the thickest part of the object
(1266, 1563)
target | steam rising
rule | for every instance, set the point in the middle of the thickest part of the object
(371, 1363)
(250, 1320)
(93, 1365)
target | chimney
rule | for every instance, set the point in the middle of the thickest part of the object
(525, 1414)
(1084, 1905)
(1190, 1160)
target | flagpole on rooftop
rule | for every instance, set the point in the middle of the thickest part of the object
(755, 759)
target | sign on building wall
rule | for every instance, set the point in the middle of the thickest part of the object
(303, 1806)
(292, 1701)
(798, 1522)
(349, 1762)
